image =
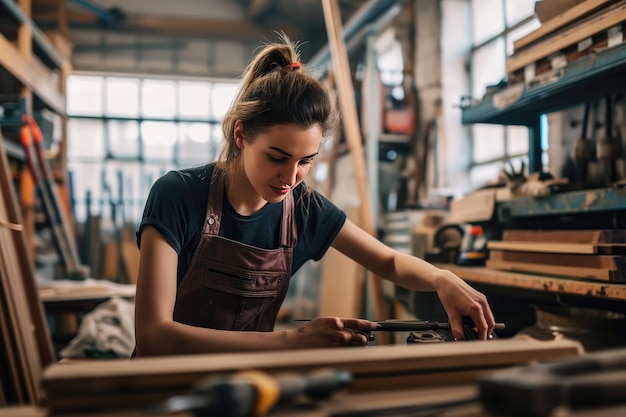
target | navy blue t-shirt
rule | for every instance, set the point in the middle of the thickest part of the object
(177, 205)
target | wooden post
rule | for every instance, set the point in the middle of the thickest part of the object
(343, 81)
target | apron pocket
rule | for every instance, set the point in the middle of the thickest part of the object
(235, 300)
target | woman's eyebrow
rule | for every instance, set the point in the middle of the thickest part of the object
(289, 155)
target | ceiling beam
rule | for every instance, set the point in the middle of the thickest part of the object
(169, 26)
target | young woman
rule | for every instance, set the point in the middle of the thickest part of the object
(219, 243)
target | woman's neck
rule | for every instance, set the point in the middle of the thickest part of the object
(240, 193)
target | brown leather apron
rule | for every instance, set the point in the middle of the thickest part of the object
(230, 285)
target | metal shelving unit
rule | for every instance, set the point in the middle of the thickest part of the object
(588, 78)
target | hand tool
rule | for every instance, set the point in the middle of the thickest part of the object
(255, 393)
(64, 242)
(596, 379)
(421, 325)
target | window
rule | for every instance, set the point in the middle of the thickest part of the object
(496, 24)
(125, 132)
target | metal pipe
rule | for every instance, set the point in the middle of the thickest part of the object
(39, 38)
(109, 17)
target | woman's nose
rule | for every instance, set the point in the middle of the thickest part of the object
(288, 175)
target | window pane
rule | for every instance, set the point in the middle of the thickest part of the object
(488, 142)
(85, 139)
(124, 179)
(519, 33)
(517, 140)
(485, 174)
(487, 19)
(158, 139)
(221, 98)
(518, 10)
(217, 141)
(194, 99)
(84, 95)
(124, 138)
(86, 176)
(194, 143)
(158, 99)
(391, 65)
(488, 66)
(122, 97)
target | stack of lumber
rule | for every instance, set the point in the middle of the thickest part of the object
(583, 254)
(25, 343)
(583, 29)
(143, 382)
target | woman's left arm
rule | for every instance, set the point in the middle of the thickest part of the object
(458, 298)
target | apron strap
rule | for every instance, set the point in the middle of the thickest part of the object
(214, 207)
(288, 229)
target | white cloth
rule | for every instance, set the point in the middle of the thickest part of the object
(108, 329)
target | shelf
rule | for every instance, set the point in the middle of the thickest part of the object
(588, 78)
(41, 46)
(573, 202)
(554, 285)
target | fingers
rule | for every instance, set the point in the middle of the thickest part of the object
(359, 324)
(456, 326)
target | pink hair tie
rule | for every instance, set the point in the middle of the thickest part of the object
(293, 66)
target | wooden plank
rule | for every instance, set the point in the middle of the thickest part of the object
(562, 270)
(539, 282)
(570, 36)
(571, 15)
(608, 262)
(26, 320)
(556, 247)
(64, 382)
(341, 283)
(32, 74)
(341, 70)
(569, 236)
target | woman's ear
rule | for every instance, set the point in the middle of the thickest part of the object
(238, 135)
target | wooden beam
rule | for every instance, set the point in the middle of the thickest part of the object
(568, 16)
(169, 26)
(575, 33)
(104, 385)
(33, 74)
(343, 82)
(540, 282)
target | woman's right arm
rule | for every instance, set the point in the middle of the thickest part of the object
(157, 333)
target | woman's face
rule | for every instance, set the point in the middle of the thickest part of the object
(279, 159)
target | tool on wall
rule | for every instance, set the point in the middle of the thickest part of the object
(583, 148)
(608, 147)
(63, 237)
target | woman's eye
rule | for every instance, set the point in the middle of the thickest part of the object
(273, 159)
(306, 162)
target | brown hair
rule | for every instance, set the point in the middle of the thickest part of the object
(276, 90)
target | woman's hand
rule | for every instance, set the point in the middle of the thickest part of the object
(461, 300)
(331, 331)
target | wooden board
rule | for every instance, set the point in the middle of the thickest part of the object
(540, 282)
(608, 262)
(105, 380)
(568, 236)
(350, 124)
(569, 16)
(341, 283)
(560, 270)
(556, 247)
(607, 18)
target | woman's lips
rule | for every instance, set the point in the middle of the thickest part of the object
(279, 190)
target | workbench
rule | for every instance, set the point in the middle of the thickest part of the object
(66, 302)
(364, 405)
(543, 283)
